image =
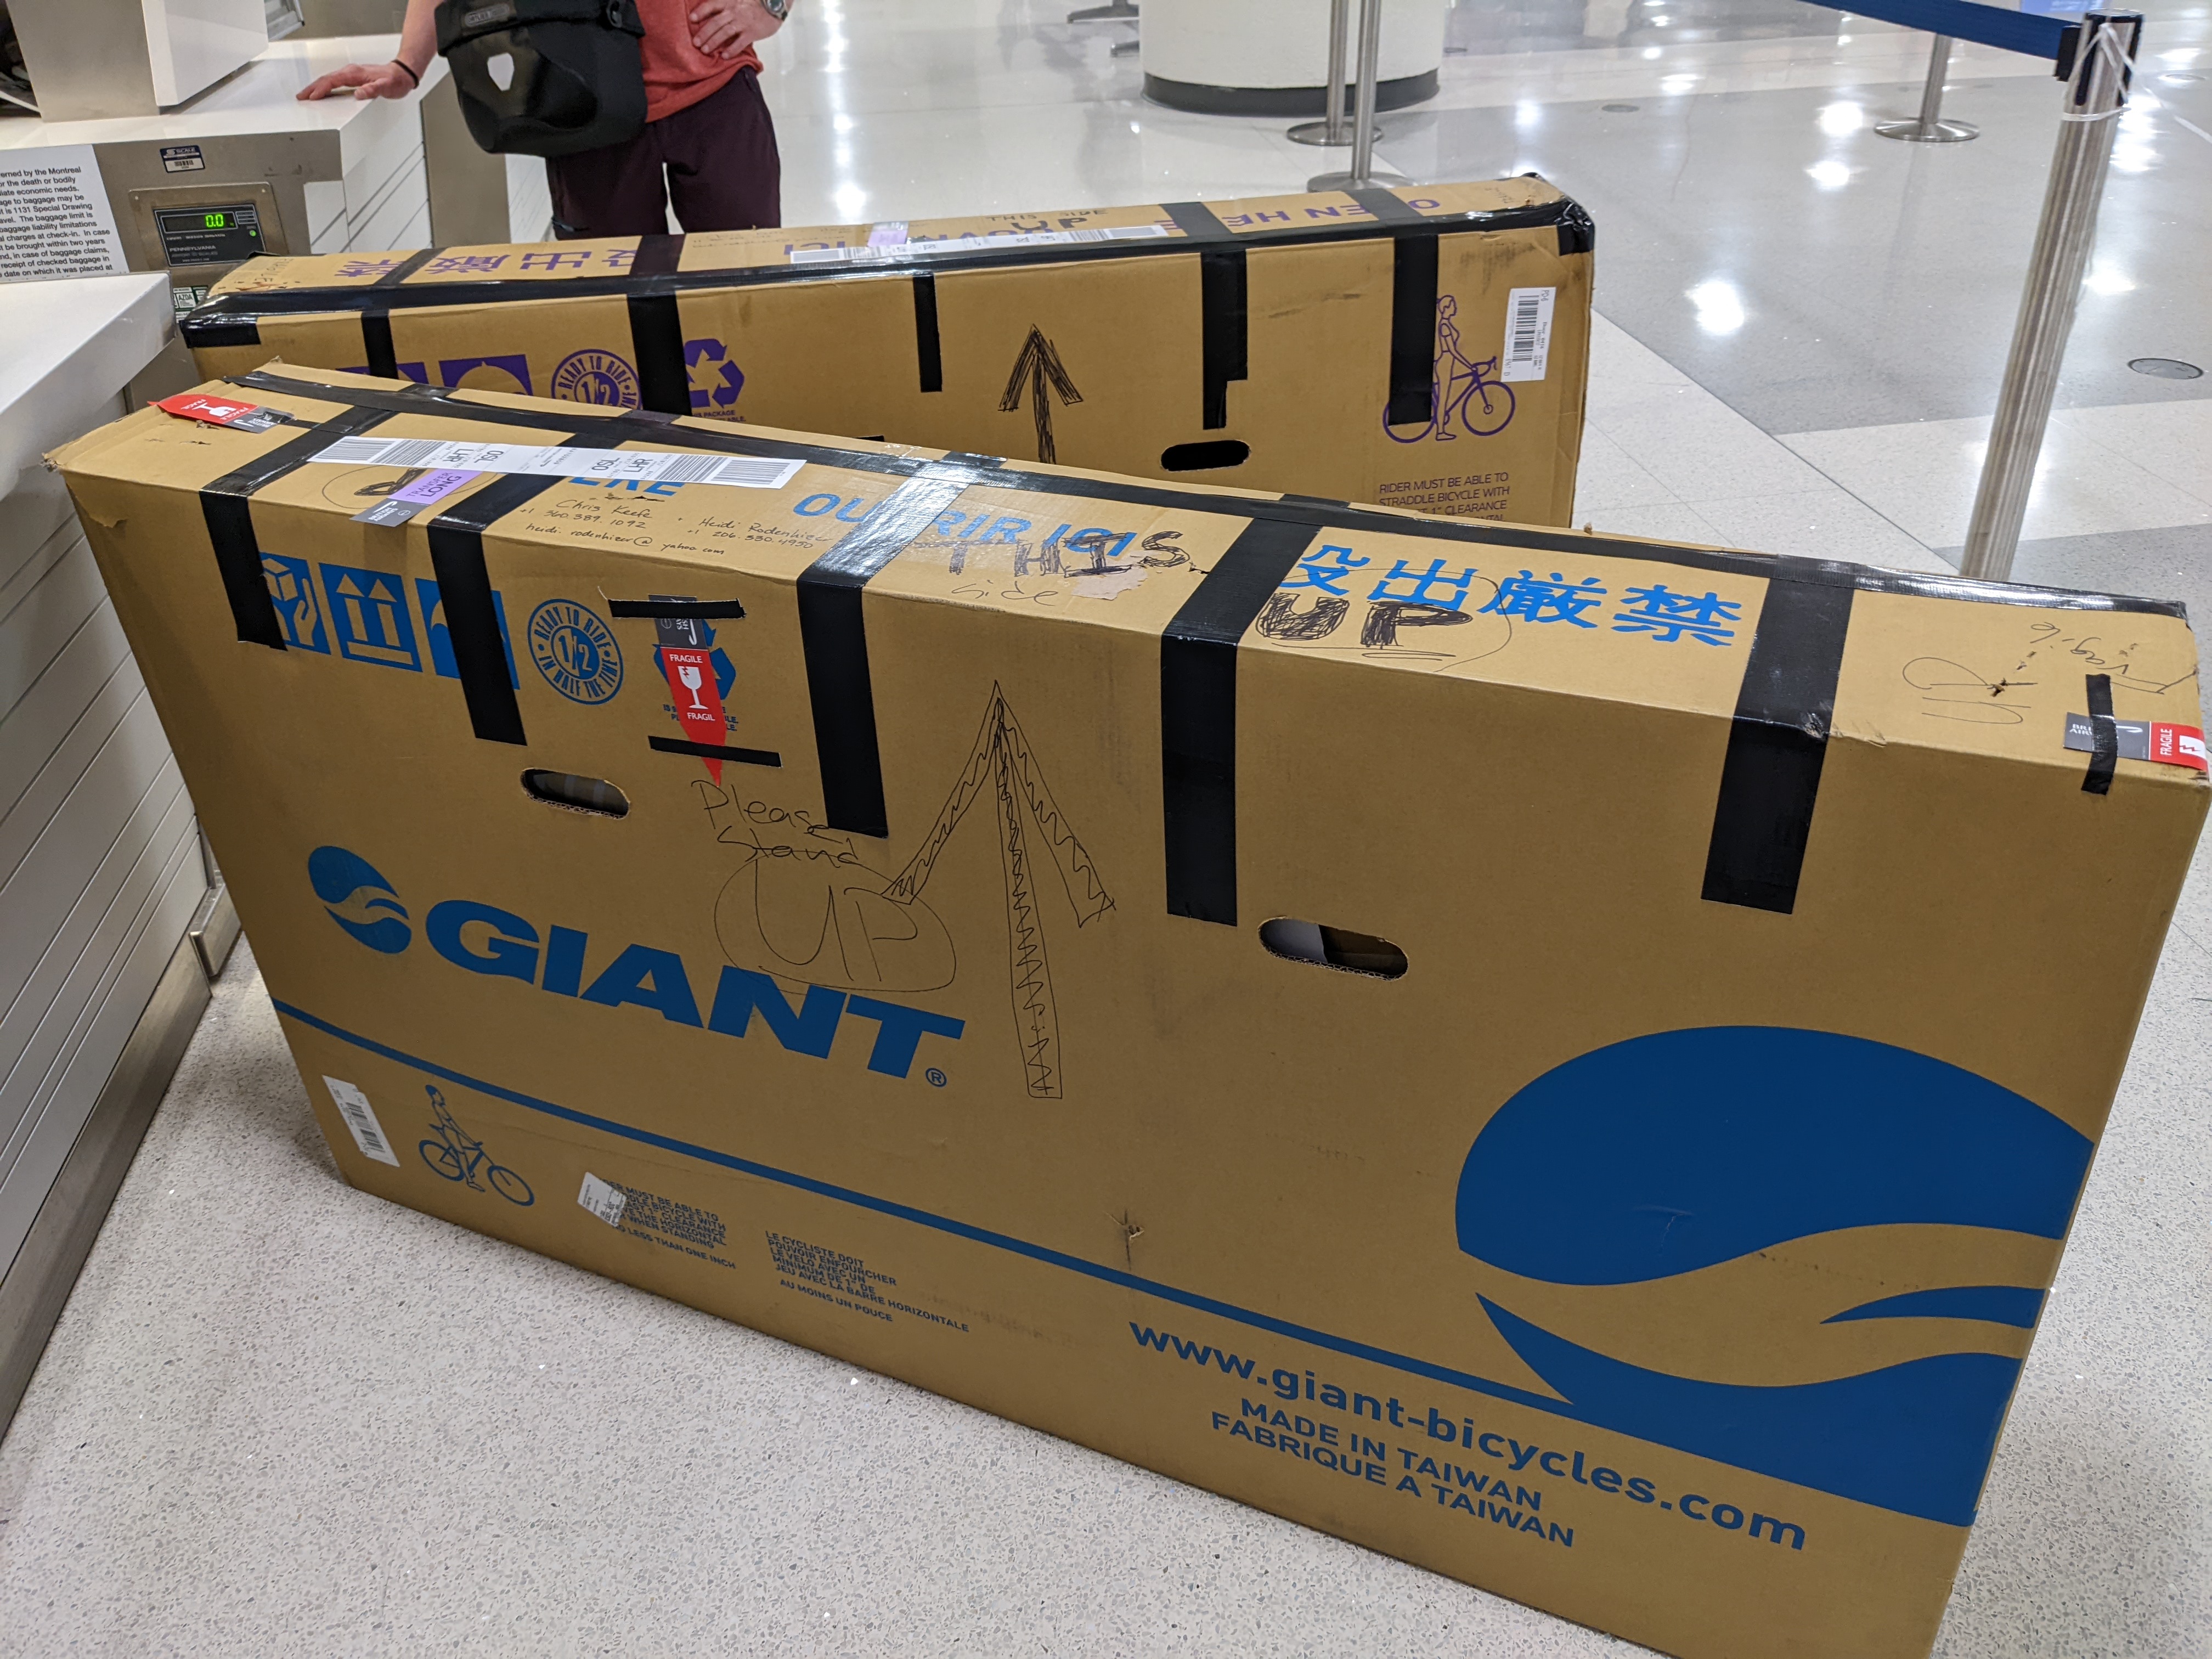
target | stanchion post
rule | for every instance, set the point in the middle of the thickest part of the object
(1363, 175)
(1336, 129)
(1929, 127)
(2096, 93)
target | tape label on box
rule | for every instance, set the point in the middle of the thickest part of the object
(361, 1118)
(603, 1198)
(1528, 333)
(558, 461)
(902, 249)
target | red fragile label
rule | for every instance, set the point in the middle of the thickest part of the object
(698, 699)
(2177, 745)
(221, 411)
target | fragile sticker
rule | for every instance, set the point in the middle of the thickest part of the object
(223, 411)
(2151, 740)
(361, 1118)
(603, 1198)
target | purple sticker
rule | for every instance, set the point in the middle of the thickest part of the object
(404, 502)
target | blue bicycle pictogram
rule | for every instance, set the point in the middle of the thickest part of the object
(1465, 389)
(457, 1154)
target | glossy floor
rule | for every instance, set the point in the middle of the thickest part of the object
(283, 1417)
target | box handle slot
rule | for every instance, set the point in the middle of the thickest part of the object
(1199, 457)
(575, 794)
(1333, 947)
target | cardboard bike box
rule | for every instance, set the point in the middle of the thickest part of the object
(1481, 1040)
(1425, 348)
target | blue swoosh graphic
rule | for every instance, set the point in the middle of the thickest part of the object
(1916, 1437)
(1999, 1304)
(1665, 1153)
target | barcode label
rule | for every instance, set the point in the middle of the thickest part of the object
(361, 1118)
(903, 250)
(1528, 332)
(559, 461)
(603, 1198)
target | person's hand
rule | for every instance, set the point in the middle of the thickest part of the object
(723, 28)
(366, 80)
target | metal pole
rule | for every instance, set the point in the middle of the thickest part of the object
(1336, 130)
(1363, 175)
(2096, 93)
(1929, 127)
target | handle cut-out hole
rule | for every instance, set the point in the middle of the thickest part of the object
(500, 67)
(1333, 947)
(577, 794)
(1198, 458)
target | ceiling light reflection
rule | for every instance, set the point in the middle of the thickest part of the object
(1720, 308)
(1840, 120)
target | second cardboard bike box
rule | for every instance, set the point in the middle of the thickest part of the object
(1425, 348)
(1567, 1060)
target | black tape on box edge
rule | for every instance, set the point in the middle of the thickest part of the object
(1198, 716)
(677, 610)
(657, 256)
(2105, 759)
(834, 639)
(1223, 348)
(231, 310)
(1413, 331)
(377, 349)
(928, 358)
(716, 751)
(225, 506)
(456, 556)
(636, 426)
(1771, 776)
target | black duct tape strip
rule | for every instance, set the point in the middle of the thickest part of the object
(1577, 230)
(224, 506)
(1413, 330)
(657, 256)
(678, 610)
(479, 645)
(1770, 778)
(407, 267)
(1223, 322)
(639, 427)
(2105, 759)
(377, 349)
(1198, 716)
(929, 357)
(1387, 208)
(206, 325)
(833, 634)
(717, 752)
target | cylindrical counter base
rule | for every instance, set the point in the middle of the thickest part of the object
(1270, 57)
(1280, 101)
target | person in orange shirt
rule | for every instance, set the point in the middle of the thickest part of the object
(708, 143)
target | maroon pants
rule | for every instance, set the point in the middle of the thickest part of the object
(721, 169)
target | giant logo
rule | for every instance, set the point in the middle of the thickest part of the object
(1800, 1253)
(497, 944)
(357, 898)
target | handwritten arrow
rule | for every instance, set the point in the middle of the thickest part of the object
(1040, 366)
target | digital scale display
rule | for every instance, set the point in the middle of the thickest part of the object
(209, 235)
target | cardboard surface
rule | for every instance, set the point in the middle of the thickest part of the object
(1659, 1247)
(1258, 344)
